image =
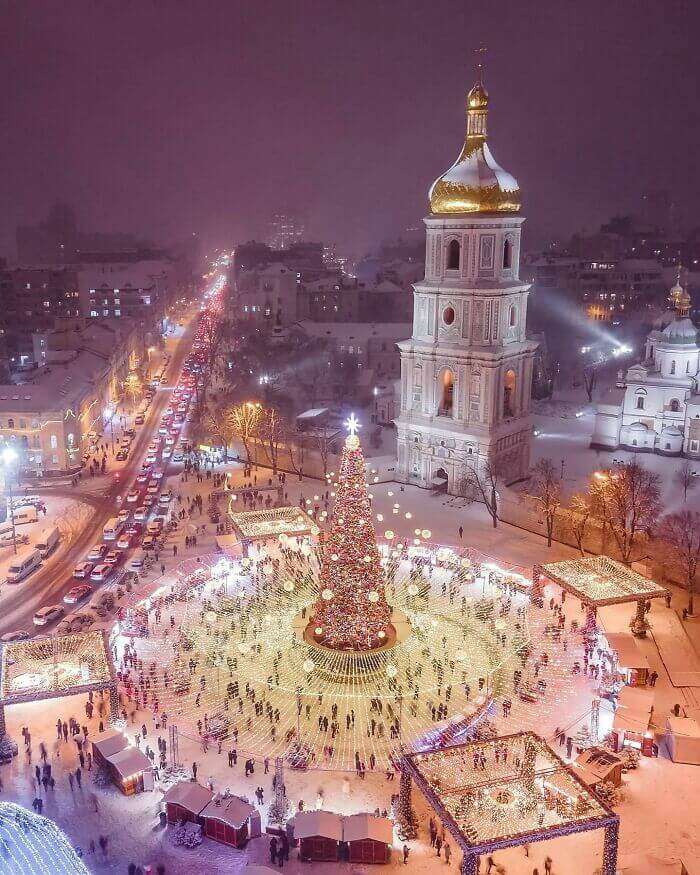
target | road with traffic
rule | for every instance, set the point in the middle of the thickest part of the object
(49, 584)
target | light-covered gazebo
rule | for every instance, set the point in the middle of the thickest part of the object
(55, 666)
(506, 792)
(259, 525)
(599, 581)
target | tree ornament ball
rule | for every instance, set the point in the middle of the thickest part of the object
(288, 586)
(309, 666)
(318, 630)
(391, 670)
(373, 596)
(412, 589)
(327, 595)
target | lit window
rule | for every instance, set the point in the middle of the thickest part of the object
(105, 312)
(640, 403)
(93, 312)
(54, 442)
(117, 312)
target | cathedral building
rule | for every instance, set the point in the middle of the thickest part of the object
(466, 372)
(660, 408)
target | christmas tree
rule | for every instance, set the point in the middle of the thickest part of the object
(352, 612)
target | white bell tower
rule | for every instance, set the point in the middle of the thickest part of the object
(466, 372)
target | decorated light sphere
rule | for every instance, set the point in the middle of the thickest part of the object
(412, 589)
(211, 616)
(327, 595)
(373, 596)
(309, 665)
(381, 634)
(318, 630)
(460, 655)
(389, 534)
(426, 533)
(380, 517)
(391, 670)
(408, 515)
(390, 493)
(500, 623)
(334, 557)
(368, 559)
(416, 542)
(288, 586)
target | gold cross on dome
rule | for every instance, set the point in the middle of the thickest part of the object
(480, 55)
(353, 424)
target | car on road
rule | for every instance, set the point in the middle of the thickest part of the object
(139, 419)
(141, 513)
(83, 570)
(101, 572)
(166, 497)
(76, 593)
(167, 452)
(48, 614)
(153, 488)
(97, 552)
(17, 635)
(178, 457)
(122, 456)
(157, 473)
(133, 497)
(123, 515)
(142, 479)
(129, 432)
(124, 541)
(114, 557)
(134, 530)
(148, 543)
(77, 622)
(151, 459)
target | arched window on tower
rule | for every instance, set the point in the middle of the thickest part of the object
(454, 251)
(507, 254)
(509, 393)
(447, 393)
(675, 405)
(673, 367)
(512, 315)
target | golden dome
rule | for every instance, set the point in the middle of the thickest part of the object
(475, 183)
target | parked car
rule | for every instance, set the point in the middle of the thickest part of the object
(17, 635)
(48, 614)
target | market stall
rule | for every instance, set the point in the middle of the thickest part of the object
(633, 719)
(185, 800)
(226, 819)
(368, 838)
(631, 662)
(128, 767)
(683, 739)
(597, 765)
(319, 834)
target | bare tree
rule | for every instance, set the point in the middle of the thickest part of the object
(578, 518)
(681, 531)
(244, 420)
(271, 430)
(686, 479)
(590, 379)
(546, 491)
(223, 425)
(482, 484)
(627, 499)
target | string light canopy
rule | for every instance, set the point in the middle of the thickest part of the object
(34, 845)
(257, 525)
(507, 792)
(57, 665)
(599, 581)
(240, 624)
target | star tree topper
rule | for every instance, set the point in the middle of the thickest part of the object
(353, 426)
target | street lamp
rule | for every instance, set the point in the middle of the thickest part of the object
(109, 417)
(9, 457)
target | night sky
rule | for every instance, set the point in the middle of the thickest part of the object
(165, 118)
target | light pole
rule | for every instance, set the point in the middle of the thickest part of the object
(9, 457)
(109, 416)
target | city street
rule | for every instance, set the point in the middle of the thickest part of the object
(50, 583)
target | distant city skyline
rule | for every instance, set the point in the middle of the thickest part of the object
(171, 119)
